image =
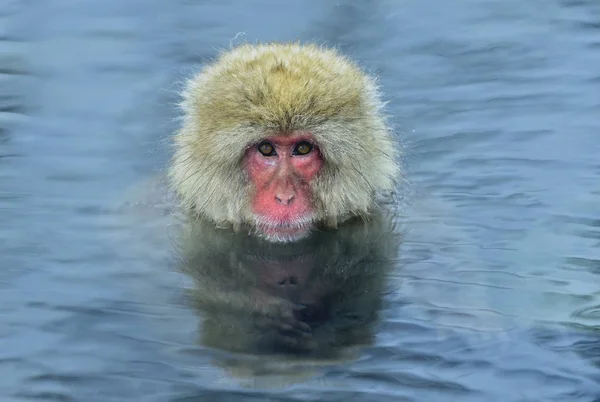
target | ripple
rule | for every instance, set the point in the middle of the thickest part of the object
(496, 292)
(589, 313)
(46, 396)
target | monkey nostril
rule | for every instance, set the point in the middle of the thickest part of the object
(288, 281)
(285, 200)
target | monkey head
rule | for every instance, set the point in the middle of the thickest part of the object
(281, 139)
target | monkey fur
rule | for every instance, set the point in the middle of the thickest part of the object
(253, 91)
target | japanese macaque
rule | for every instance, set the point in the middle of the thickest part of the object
(312, 301)
(280, 139)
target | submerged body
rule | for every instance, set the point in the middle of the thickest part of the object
(282, 139)
(314, 300)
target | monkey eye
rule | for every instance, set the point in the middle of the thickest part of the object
(303, 148)
(266, 149)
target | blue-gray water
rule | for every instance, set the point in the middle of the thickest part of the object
(497, 293)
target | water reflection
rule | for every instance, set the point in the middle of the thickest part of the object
(317, 299)
(500, 263)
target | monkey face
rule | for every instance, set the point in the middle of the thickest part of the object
(281, 169)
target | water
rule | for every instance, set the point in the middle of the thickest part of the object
(496, 295)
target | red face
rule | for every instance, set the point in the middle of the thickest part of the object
(281, 170)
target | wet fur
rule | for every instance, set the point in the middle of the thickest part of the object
(253, 91)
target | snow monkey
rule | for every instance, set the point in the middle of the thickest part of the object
(282, 139)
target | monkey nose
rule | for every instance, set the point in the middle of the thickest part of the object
(288, 281)
(284, 199)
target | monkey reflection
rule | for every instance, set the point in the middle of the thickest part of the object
(315, 298)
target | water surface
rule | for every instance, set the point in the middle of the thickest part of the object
(496, 296)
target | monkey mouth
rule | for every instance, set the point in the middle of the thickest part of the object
(283, 231)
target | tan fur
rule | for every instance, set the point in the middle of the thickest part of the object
(254, 91)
